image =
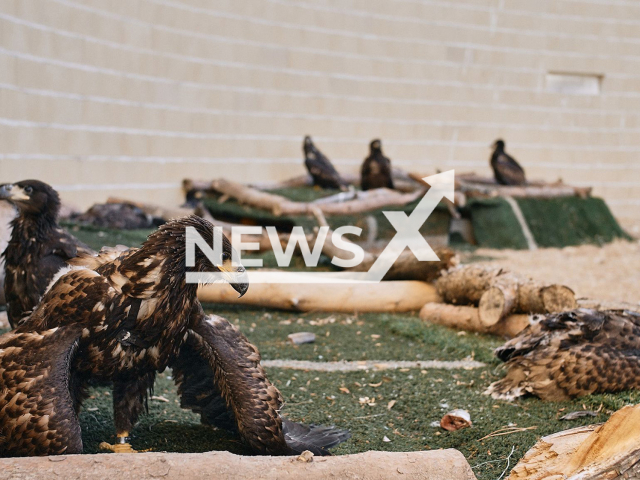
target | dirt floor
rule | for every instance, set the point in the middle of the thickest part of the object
(610, 272)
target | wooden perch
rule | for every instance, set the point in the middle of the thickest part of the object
(526, 191)
(279, 205)
(434, 465)
(608, 451)
(499, 293)
(404, 296)
(406, 267)
(468, 318)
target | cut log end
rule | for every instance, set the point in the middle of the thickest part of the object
(495, 304)
(558, 298)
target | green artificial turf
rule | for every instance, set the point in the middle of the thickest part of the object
(359, 401)
(554, 222)
(420, 397)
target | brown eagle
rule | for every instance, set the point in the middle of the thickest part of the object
(119, 318)
(321, 169)
(570, 354)
(38, 247)
(505, 168)
(376, 169)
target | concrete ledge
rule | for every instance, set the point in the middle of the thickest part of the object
(428, 465)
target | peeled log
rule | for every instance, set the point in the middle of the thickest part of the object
(468, 319)
(608, 451)
(401, 296)
(433, 464)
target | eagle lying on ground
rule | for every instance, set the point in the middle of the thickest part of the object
(570, 354)
(505, 168)
(321, 169)
(121, 317)
(376, 169)
(38, 247)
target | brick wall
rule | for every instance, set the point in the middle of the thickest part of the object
(127, 97)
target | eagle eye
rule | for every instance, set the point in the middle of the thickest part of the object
(226, 257)
(28, 189)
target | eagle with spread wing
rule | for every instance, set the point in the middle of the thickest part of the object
(322, 171)
(376, 169)
(120, 317)
(566, 355)
(505, 168)
(38, 247)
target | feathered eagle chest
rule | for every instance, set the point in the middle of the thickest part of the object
(143, 327)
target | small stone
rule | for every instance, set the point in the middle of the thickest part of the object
(301, 337)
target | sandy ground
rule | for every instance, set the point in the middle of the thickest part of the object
(610, 273)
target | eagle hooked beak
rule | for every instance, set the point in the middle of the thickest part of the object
(8, 191)
(236, 276)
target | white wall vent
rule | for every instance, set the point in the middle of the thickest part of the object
(573, 83)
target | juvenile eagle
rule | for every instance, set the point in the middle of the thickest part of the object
(505, 168)
(570, 354)
(38, 247)
(120, 318)
(376, 169)
(321, 169)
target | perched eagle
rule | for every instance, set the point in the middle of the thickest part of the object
(376, 169)
(38, 247)
(119, 318)
(570, 354)
(323, 172)
(505, 168)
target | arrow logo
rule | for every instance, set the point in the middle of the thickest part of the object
(408, 227)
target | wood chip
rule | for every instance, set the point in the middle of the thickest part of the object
(456, 420)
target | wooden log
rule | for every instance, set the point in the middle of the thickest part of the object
(433, 464)
(401, 296)
(468, 319)
(608, 451)
(499, 300)
(406, 267)
(499, 292)
(527, 191)
(279, 205)
(464, 285)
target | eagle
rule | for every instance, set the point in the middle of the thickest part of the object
(321, 169)
(566, 355)
(120, 317)
(376, 169)
(505, 168)
(38, 247)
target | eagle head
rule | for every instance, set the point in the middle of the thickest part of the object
(375, 146)
(32, 197)
(173, 237)
(498, 144)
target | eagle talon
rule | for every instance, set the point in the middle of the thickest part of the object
(122, 445)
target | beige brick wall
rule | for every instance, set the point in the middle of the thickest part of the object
(127, 97)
